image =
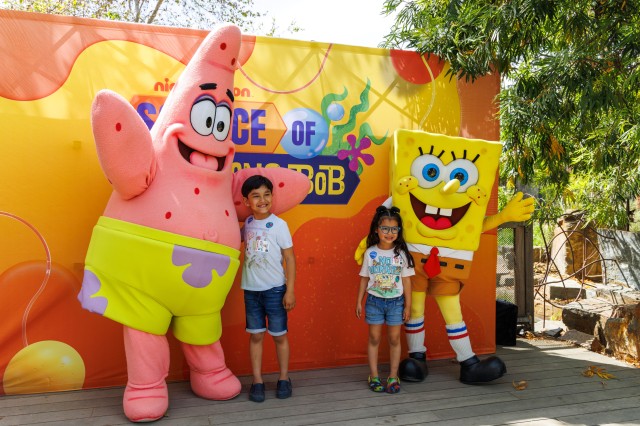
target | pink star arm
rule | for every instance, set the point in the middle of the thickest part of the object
(289, 189)
(123, 143)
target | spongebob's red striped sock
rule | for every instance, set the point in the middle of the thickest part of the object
(414, 330)
(459, 340)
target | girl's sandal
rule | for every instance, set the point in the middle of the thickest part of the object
(375, 384)
(393, 385)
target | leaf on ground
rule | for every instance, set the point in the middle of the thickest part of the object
(604, 375)
(521, 385)
(532, 336)
(597, 371)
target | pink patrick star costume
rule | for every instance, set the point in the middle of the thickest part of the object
(165, 252)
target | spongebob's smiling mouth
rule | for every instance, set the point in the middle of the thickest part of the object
(437, 218)
(200, 159)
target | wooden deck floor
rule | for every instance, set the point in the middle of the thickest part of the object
(557, 393)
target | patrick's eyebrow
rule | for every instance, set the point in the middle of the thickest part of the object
(230, 94)
(208, 86)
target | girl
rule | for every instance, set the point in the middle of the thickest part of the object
(385, 273)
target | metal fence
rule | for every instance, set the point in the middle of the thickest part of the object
(514, 272)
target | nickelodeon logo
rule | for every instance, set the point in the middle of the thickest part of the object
(167, 85)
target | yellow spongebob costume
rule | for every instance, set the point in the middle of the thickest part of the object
(442, 185)
(442, 196)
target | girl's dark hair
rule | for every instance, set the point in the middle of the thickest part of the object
(400, 245)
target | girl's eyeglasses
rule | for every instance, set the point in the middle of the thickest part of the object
(387, 229)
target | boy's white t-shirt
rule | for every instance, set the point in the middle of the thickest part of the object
(264, 241)
(385, 270)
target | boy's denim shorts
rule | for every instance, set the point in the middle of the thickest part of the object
(384, 311)
(262, 307)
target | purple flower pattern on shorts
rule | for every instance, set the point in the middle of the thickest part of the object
(201, 264)
(90, 286)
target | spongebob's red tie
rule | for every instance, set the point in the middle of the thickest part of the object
(432, 265)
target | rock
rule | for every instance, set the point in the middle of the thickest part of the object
(574, 245)
(548, 327)
(583, 315)
(620, 253)
(622, 330)
(554, 332)
(566, 291)
(596, 346)
(578, 337)
(617, 295)
(539, 254)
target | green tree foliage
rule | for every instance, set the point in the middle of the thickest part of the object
(570, 102)
(203, 14)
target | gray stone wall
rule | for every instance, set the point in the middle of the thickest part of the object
(621, 251)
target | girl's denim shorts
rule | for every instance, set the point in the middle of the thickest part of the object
(384, 311)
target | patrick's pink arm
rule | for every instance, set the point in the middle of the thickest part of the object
(289, 189)
(123, 143)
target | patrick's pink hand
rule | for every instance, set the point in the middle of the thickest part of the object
(123, 143)
(289, 189)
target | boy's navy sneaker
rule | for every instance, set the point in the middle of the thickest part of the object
(256, 393)
(283, 389)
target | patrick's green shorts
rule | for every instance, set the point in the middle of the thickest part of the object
(149, 279)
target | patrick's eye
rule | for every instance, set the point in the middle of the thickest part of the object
(222, 122)
(428, 170)
(203, 116)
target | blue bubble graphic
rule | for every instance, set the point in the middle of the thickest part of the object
(307, 133)
(335, 111)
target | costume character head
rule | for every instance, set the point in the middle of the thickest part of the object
(442, 185)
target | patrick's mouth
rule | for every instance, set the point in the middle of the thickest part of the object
(437, 218)
(200, 159)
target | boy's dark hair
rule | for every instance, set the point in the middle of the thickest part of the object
(400, 244)
(255, 182)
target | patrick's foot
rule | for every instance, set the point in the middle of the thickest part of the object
(145, 404)
(474, 371)
(218, 385)
(210, 377)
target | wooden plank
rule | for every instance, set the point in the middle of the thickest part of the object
(368, 406)
(628, 416)
(553, 408)
(557, 393)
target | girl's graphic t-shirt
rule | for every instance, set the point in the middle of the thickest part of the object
(385, 270)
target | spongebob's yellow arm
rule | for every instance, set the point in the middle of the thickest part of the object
(359, 254)
(516, 210)
(362, 246)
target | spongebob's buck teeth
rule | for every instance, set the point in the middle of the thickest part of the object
(436, 211)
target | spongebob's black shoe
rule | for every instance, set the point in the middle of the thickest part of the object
(473, 371)
(414, 368)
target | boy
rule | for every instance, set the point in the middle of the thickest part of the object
(267, 285)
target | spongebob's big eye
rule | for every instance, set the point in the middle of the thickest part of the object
(203, 116)
(463, 170)
(222, 122)
(428, 170)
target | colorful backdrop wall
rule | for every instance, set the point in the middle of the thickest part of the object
(326, 110)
